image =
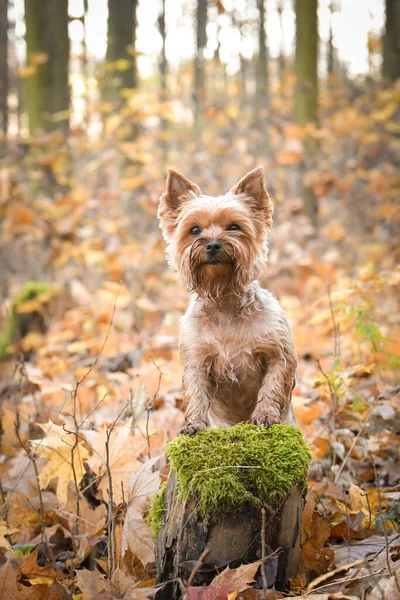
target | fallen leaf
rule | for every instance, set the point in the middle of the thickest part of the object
(91, 583)
(387, 589)
(65, 456)
(238, 579)
(315, 532)
(137, 537)
(125, 448)
(5, 530)
(209, 592)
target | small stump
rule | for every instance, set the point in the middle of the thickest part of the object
(222, 482)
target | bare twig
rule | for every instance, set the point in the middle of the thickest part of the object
(112, 541)
(94, 409)
(347, 517)
(332, 393)
(344, 580)
(348, 453)
(197, 565)
(150, 406)
(31, 457)
(94, 363)
(336, 327)
(378, 488)
(263, 566)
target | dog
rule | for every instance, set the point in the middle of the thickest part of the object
(235, 343)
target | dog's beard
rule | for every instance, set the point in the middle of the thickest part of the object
(227, 274)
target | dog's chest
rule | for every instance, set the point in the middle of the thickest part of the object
(234, 350)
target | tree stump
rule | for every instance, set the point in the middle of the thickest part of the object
(232, 530)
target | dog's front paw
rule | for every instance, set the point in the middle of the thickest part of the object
(192, 428)
(264, 419)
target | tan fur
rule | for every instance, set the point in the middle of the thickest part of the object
(236, 344)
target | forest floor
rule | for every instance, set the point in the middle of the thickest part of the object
(91, 385)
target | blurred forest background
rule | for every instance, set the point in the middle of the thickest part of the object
(97, 100)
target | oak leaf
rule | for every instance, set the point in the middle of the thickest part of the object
(92, 584)
(137, 537)
(238, 579)
(315, 532)
(65, 456)
(5, 530)
(124, 449)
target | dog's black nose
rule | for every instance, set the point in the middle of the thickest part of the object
(213, 248)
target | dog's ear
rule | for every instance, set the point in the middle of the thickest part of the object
(177, 191)
(252, 187)
(178, 186)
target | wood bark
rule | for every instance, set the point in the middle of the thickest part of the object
(163, 62)
(232, 538)
(281, 60)
(201, 42)
(262, 66)
(47, 90)
(305, 101)
(391, 41)
(4, 65)
(122, 21)
(306, 92)
(330, 50)
(163, 69)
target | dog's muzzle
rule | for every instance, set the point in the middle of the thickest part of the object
(213, 249)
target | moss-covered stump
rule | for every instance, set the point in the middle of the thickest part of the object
(220, 482)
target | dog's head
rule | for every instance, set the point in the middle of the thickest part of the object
(218, 245)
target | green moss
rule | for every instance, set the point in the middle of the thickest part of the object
(155, 517)
(31, 290)
(222, 468)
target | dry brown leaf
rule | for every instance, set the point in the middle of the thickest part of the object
(5, 530)
(125, 448)
(10, 589)
(315, 531)
(137, 537)
(91, 583)
(30, 570)
(209, 592)
(388, 589)
(65, 456)
(238, 579)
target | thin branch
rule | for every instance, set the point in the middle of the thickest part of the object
(378, 488)
(263, 565)
(150, 406)
(197, 566)
(33, 461)
(336, 328)
(94, 363)
(348, 453)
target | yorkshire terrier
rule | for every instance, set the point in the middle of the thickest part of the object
(235, 343)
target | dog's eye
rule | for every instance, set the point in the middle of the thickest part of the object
(234, 227)
(195, 230)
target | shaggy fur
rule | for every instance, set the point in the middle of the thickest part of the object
(236, 344)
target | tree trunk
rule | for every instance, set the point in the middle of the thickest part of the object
(121, 45)
(306, 91)
(281, 60)
(4, 65)
(232, 538)
(47, 90)
(163, 61)
(201, 42)
(163, 83)
(330, 53)
(262, 63)
(391, 41)
(305, 101)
